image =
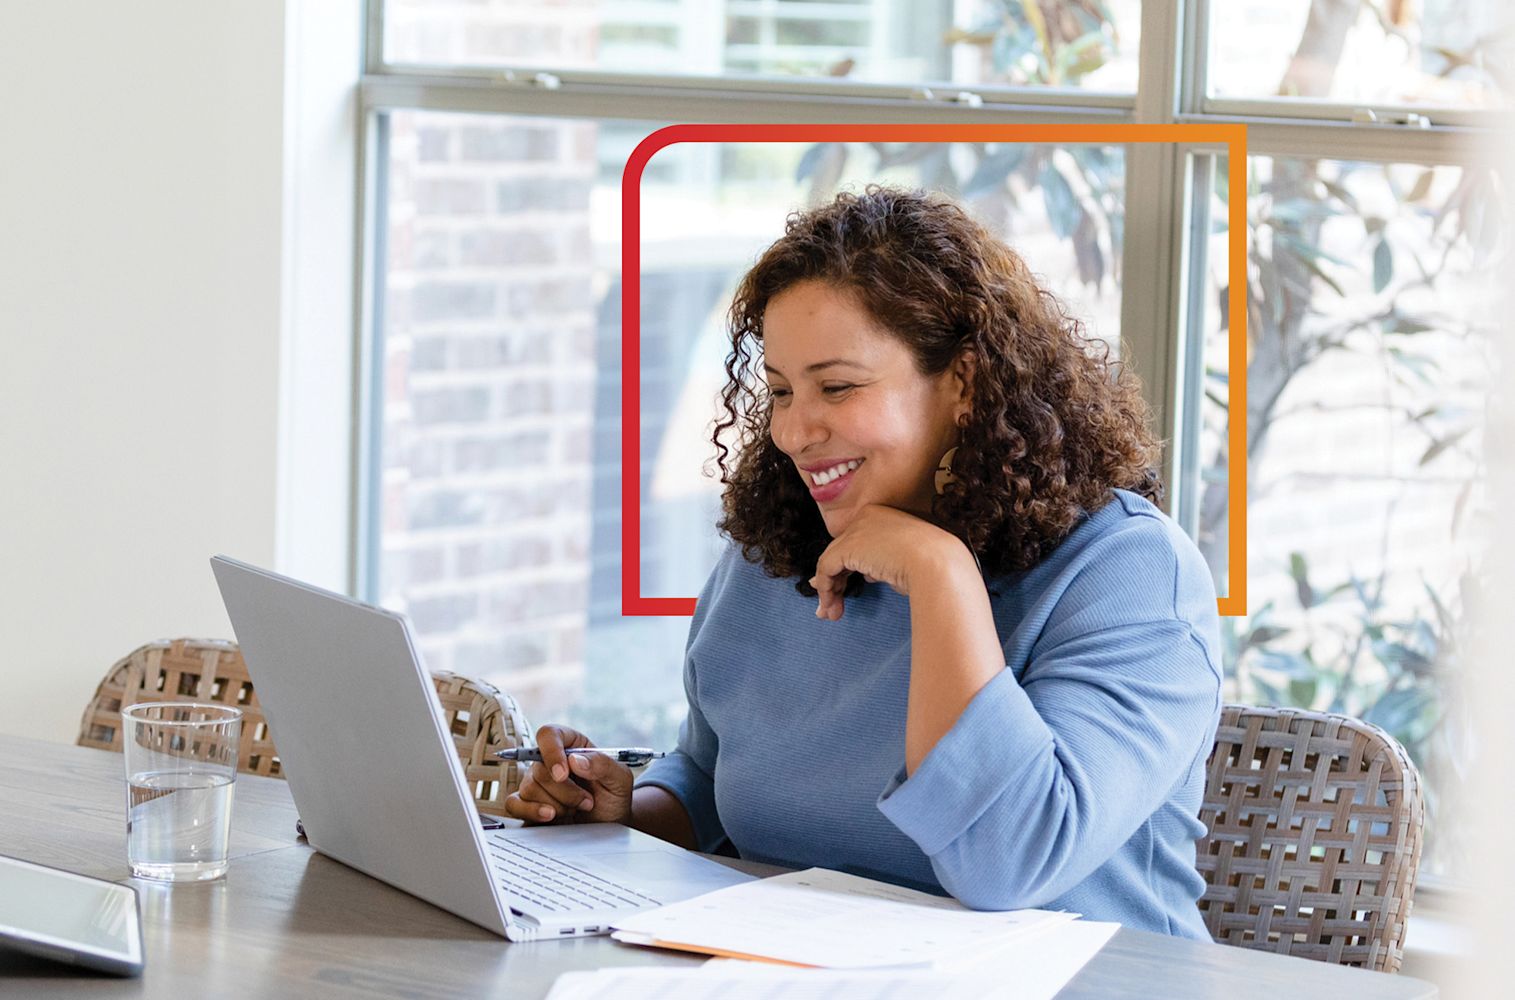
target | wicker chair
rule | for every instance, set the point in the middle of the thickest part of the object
(480, 718)
(1313, 837)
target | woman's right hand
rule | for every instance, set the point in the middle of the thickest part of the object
(571, 788)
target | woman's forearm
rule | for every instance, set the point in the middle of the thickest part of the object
(656, 811)
(954, 649)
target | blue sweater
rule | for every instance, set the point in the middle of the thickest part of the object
(1072, 781)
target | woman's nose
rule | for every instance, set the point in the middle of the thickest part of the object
(797, 427)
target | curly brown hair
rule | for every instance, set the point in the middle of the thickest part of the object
(1055, 426)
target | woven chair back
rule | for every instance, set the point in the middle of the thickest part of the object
(483, 719)
(480, 718)
(1313, 837)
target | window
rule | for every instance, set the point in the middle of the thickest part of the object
(898, 42)
(1435, 53)
(1370, 359)
(492, 498)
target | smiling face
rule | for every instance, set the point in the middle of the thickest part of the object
(850, 409)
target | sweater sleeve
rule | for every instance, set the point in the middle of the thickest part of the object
(1041, 781)
(688, 772)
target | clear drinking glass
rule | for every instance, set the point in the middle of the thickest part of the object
(181, 762)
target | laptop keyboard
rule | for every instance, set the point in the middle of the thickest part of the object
(553, 884)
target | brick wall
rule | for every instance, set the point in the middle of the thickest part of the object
(490, 350)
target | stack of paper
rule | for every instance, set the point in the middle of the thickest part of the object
(828, 919)
(1034, 967)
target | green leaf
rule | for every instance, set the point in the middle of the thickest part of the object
(1300, 571)
(1302, 692)
(1286, 664)
(1340, 588)
(1309, 256)
(905, 153)
(1308, 259)
(1398, 657)
(1062, 207)
(1086, 251)
(1263, 634)
(1383, 265)
(811, 160)
(1408, 326)
(1418, 364)
(1397, 709)
(1443, 614)
(993, 169)
(1439, 446)
(1342, 195)
(1104, 169)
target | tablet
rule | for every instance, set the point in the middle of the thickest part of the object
(69, 918)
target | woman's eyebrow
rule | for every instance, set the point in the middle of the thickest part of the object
(820, 366)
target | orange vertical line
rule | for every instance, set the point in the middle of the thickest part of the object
(1235, 601)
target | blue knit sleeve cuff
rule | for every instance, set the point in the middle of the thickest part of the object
(695, 790)
(992, 746)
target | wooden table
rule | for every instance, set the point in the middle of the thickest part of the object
(287, 921)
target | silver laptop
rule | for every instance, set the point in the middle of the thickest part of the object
(375, 776)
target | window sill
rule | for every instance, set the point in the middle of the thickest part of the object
(1437, 942)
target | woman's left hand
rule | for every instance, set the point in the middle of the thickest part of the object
(885, 545)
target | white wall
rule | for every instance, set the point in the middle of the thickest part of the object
(146, 179)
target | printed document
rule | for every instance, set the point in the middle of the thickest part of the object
(1034, 968)
(830, 919)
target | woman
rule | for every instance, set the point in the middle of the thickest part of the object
(955, 645)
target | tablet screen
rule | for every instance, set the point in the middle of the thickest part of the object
(68, 911)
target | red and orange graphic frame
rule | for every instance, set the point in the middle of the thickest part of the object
(1233, 137)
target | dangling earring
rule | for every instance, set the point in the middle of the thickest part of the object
(944, 476)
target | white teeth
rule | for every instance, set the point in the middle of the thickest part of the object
(835, 472)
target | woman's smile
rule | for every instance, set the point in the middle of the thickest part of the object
(829, 480)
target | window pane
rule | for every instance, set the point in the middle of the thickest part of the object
(1369, 320)
(500, 505)
(1433, 52)
(1071, 43)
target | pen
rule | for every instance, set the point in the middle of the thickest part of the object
(631, 756)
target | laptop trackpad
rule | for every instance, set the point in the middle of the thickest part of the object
(617, 853)
(664, 876)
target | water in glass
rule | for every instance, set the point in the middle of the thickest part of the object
(177, 824)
